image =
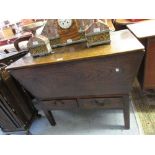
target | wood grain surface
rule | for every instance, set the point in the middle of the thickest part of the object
(121, 42)
(143, 29)
(96, 76)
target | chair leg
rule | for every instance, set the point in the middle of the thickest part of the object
(126, 111)
(50, 117)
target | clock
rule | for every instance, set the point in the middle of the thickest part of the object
(62, 32)
(68, 31)
(65, 23)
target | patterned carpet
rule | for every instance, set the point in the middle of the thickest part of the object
(144, 109)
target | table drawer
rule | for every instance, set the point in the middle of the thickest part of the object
(105, 103)
(60, 104)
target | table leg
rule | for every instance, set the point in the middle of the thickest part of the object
(50, 117)
(126, 111)
(47, 113)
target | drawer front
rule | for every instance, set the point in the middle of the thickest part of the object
(149, 76)
(105, 103)
(97, 76)
(59, 104)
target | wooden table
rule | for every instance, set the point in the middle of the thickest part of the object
(121, 24)
(145, 32)
(80, 77)
(127, 21)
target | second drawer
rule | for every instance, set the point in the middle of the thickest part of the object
(105, 103)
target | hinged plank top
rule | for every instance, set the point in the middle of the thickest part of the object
(121, 42)
(143, 29)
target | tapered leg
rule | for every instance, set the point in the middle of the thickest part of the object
(38, 115)
(28, 132)
(126, 111)
(47, 113)
(50, 117)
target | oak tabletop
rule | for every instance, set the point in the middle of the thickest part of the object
(143, 29)
(123, 21)
(121, 42)
(128, 21)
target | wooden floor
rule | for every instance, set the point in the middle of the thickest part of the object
(144, 109)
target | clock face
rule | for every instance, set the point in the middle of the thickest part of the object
(65, 23)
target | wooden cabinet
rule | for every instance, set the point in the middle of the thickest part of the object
(16, 109)
(6, 121)
(145, 32)
(149, 75)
